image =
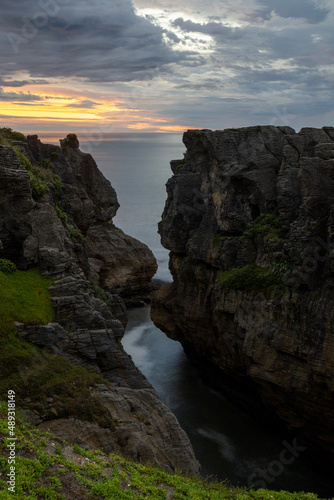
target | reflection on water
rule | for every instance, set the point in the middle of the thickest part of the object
(227, 442)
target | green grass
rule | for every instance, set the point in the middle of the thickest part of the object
(36, 374)
(93, 475)
(251, 277)
(24, 297)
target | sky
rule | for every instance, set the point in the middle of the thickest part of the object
(104, 66)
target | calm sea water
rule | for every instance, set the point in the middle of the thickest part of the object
(228, 443)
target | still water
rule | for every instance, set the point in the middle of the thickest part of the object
(228, 443)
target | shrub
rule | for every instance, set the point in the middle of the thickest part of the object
(56, 181)
(38, 187)
(7, 267)
(251, 277)
(75, 234)
(281, 269)
(46, 163)
(11, 135)
(267, 225)
(72, 137)
(62, 215)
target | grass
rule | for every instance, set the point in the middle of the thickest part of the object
(38, 176)
(36, 374)
(49, 469)
(251, 278)
(24, 297)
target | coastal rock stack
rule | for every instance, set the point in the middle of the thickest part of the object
(56, 213)
(249, 222)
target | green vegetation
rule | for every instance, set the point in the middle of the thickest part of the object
(180, 165)
(46, 163)
(72, 137)
(75, 233)
(267, 225)
(38, 187)
(48, 468)
(36, 374)
(7, 267)
(56, 181)
(38, 178)
(8, 135)
(281, 269)
(251, 277)
(62, 215)
(217, 241)
(24, 297)
(25, 162)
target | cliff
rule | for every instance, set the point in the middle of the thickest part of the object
(56, 213)
(249, 222)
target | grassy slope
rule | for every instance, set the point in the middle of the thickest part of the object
(50, 469)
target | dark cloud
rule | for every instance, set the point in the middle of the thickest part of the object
(98, 42)
(21, 83)
(205, 84)
(304, 9)
(18, 96)
(212, 28)
(87, 104)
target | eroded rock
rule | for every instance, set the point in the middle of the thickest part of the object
(256, 196)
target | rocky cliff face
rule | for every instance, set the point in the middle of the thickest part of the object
(249, 222)
(56, 213)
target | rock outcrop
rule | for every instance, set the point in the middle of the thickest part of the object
(249, 221)
(56, 213)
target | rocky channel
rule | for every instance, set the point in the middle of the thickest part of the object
(249, 222)
(68, 232)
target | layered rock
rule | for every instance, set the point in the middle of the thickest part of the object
(259, 200)
(68, 232)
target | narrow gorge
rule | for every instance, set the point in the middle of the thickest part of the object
(249, 223)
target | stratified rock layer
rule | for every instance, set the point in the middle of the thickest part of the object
(264, 196)
(70, 235)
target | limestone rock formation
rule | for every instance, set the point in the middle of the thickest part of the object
(249, 221)
(57, 214)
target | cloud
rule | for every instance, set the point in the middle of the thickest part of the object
(199, 63)
(87, 104)
(18, 96)
(21, 83)
(303, 9)
(98, 42)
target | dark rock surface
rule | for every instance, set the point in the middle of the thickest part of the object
(264, 196)
(69, 234)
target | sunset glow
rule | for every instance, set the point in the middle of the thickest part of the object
(163, 66)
